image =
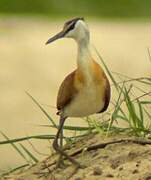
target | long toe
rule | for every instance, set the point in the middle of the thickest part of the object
(60, 164)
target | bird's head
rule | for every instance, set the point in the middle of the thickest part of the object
(75, 28)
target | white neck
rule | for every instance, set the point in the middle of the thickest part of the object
(84, 55)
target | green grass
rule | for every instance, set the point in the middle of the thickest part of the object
(125, 107)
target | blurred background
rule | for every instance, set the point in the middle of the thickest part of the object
(120, 30)
(97, 8)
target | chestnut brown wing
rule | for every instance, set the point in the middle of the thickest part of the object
(66, 91)
(107, 95)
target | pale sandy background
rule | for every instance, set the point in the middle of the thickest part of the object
(26, 64)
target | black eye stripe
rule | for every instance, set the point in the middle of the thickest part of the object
(71, 24)
(71, 27)
(67, 23)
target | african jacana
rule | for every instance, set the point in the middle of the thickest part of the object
(86, 90)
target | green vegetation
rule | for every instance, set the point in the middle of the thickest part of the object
(97, 8)
(125, 107)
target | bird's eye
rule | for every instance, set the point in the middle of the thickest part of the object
(70, 27)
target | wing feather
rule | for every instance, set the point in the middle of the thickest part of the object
(107, 96)
(67, 91)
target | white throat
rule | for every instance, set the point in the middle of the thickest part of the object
(84, 55)
(83, 50)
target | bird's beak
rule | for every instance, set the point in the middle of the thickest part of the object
(57, 36)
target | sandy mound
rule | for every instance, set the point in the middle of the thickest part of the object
(121, 160)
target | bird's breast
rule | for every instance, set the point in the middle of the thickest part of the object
(90, 93)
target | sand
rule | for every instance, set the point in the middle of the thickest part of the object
(117, 161)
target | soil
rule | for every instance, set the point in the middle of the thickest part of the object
(125, 158)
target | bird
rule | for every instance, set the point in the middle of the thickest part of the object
(86, 90)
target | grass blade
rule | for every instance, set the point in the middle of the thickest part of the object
(29, 154)
(148, 114)
(145, 102)
(140, 111)
(42, 109)
(136, 122)
(117, 109)
(71, 128)
(107, 70)
(149, 55)
(9, 141)
(35, 149)
(15, 147)
(121, 117)
(14, 169)
(130, 107)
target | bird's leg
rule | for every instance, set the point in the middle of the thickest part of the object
(60, 162)
(60, 150)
